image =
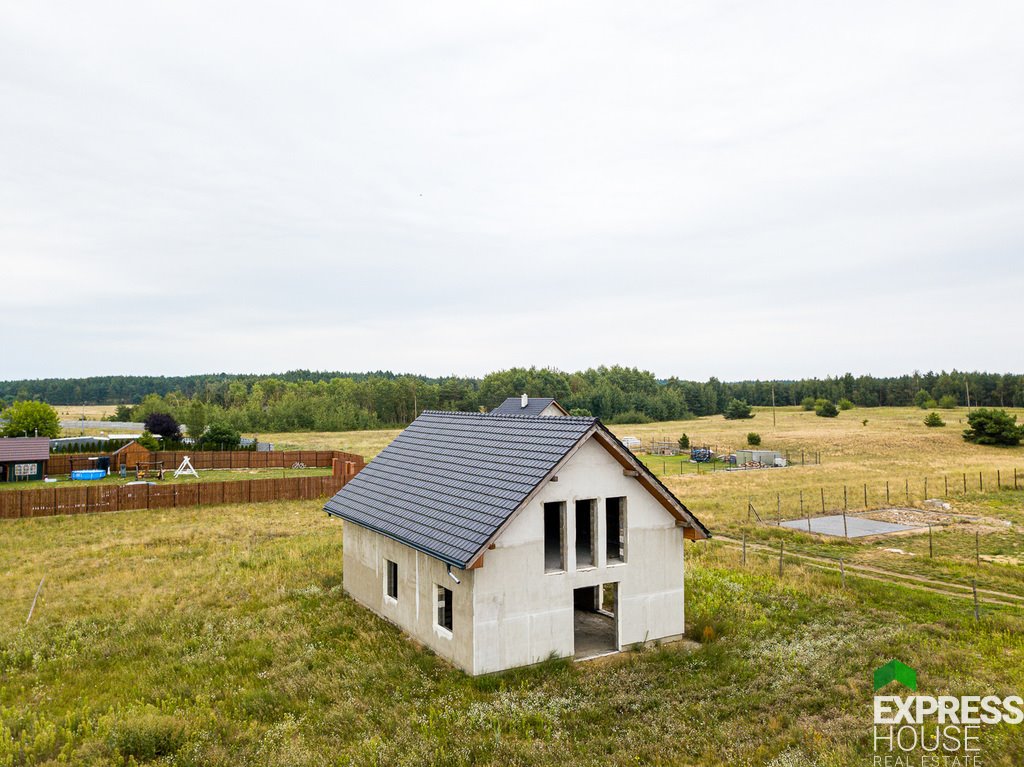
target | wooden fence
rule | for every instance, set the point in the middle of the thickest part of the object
(81, 500)
(227, 459)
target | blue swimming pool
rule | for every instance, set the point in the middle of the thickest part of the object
(88, 474)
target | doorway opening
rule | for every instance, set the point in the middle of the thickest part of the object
(595, 620)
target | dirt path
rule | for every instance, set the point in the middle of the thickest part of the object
(987, 596)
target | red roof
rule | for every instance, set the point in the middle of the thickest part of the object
(24, 449)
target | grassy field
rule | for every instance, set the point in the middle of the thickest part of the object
(84, 412)
(223, 637)
(894, 446)
(205, 475)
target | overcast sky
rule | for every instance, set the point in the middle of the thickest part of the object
(745, 190)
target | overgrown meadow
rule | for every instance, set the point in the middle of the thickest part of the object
(222, 636)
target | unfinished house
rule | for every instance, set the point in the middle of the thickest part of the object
(529, 406)
(500, 541)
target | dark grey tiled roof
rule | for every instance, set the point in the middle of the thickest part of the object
(24, 448)
(514, 406)
(448, 482)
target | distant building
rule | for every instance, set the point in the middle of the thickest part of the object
(23, 458)
(529, 406)
(498, 541)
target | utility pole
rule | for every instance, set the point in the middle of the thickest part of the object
(967, 386)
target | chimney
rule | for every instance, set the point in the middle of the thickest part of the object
(524, 401)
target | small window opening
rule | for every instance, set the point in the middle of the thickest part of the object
(554, 536)
(444, 607)
(585, 523)
(615, 517)
(391, 578)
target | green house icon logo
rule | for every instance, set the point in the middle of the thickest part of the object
(894, 671)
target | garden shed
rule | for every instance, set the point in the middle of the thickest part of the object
(23, 458)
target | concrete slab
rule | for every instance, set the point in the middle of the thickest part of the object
(595, 634)
(856, 527)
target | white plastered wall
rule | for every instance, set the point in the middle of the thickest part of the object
(415, 610)
(523, 615)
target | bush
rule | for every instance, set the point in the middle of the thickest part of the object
(993, 427)
(630, 416)
(845, 404)
(737, 409)
(933, 419)
(922, 398)
(221, 436)
(148, 441)
(164, 425)
(147, 736)
(826, 409)
(684, 442)
(807, 403)
(581, 411)
(948, 401)
(753, 439)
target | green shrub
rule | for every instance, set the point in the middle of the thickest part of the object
(933, 419)
(807, 403)
(737, 409)
(922, 398)
(147, 736)
(948, 401)
(220, 436)
(630, 416)
(148, 441)
(826, 409)
(580, 411)
(845, 404)
(684, 442)
(993, 427)
(753, 439)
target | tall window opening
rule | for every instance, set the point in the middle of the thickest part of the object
(615, 519)
(585, 533)
(554, 536)
(444, 607)
(391, 578)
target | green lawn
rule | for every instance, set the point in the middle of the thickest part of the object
(222, 636)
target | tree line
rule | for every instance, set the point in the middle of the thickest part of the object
(325, 401)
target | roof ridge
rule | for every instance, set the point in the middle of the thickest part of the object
(521, 416)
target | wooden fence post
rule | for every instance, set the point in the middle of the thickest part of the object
(842, 571)
(845, 503)
(977, 549)
(945, 479)
(822, 500)
(931, 551)
(886, 492)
